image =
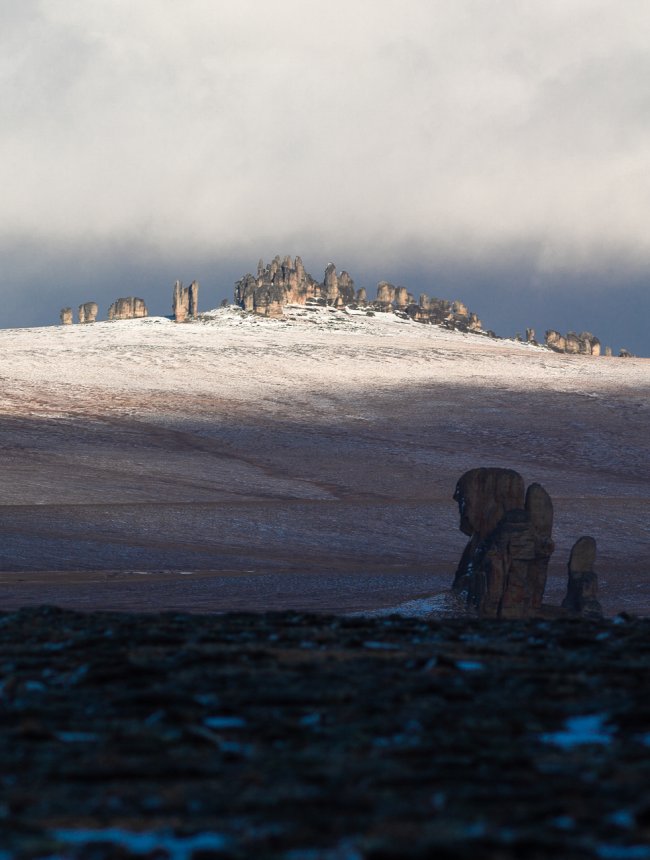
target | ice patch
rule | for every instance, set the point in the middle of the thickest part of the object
(442, 605)
(623, 852)
(175, 848)
(224, 722)
(580, 731)
(77, 737)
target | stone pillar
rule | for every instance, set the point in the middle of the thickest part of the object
(582, 586)
(88, 312)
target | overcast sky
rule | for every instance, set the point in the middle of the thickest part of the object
(494, 151)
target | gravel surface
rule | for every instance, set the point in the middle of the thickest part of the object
(308, 736)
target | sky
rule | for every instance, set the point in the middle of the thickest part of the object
(497, 152)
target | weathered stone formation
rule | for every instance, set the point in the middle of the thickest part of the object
(624, 353)
(502, 572)
(385, 293)
(443, 312)
(582, 587)
(66, 316)
(574, 344)
(285, 282)
(88, 312)
(127, 309)
(185, 301)
(426, 310)
(530, 335)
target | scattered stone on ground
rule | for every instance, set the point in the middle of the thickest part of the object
(290, 736)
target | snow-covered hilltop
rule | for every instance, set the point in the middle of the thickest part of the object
(284, 283)
(309, 351)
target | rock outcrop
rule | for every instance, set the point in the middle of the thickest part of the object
(66, 316)
(284, 281)
(185, 301)
(572, 343)
(503, 569)
(582, 587)
(88, 312)
(127, 309)
(451, 314)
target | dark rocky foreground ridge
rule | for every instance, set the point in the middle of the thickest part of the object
(328, 738)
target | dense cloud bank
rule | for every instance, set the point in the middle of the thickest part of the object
(454, 133)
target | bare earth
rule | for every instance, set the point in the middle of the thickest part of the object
(246, 464)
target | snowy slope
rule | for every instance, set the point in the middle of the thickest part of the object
(244, 357)
(304, 462)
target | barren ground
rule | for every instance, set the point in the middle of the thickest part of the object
(307, 464)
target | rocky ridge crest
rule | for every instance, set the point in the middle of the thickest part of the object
(284, 282)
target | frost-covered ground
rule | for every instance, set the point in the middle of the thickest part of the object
(238, 462)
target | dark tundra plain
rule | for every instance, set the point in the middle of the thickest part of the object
(297, 475)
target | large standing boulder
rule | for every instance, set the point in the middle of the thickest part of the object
(66, 316)
(127, 309)
(483, 497)
(502, 572)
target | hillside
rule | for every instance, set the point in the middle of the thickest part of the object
(238, 462)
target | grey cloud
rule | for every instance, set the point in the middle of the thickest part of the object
(462, 130)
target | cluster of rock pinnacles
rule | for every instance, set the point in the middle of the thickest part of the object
(284, 281)
(502, 572)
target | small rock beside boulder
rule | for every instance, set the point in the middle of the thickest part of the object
(582, 588)
(66, 316)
